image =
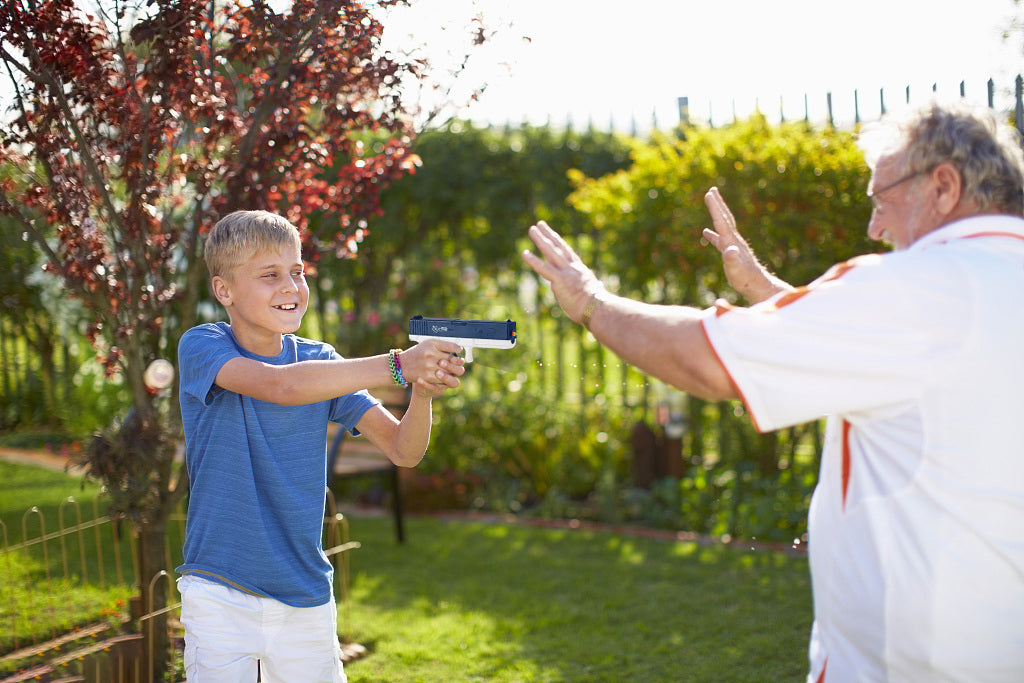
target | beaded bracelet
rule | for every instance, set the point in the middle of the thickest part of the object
(395, 365)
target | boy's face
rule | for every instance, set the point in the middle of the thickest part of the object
(265, 297)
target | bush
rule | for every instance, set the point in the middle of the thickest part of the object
(534, 458)
(527, 450)
(49, 440)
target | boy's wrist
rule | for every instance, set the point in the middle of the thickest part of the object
(395, 367)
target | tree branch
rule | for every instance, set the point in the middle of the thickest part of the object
(16, 212)
(283, 64)
(56, 88)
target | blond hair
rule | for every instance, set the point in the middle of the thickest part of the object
(240, 235)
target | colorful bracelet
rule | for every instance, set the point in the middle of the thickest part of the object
(395, 365)
(398, 366)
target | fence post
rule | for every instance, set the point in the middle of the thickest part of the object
(683, 105)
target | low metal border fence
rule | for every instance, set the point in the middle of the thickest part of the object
(44, 644)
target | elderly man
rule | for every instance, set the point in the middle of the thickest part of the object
(917, 358)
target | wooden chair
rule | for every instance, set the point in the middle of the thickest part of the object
(351, 457)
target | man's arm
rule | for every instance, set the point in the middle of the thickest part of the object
(312, 381)
(742, 269)
(667, 342)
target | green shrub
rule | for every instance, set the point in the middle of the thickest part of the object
(527, 450)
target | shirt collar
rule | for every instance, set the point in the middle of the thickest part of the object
(974, 226)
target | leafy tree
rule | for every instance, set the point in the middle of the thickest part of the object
(135, 126)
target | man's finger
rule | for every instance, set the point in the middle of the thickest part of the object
(713, 238)
(539, 265)
(720, 213)
(713, 201)
(551, 244)
(731, 254)
(542, 241)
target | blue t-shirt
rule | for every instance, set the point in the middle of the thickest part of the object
(258, 473)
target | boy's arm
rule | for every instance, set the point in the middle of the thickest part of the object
(405, 441)
(428, 364)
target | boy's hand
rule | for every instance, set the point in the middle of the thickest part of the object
(429, 390)
(432, 367)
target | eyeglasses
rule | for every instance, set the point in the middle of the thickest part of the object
(873, 196)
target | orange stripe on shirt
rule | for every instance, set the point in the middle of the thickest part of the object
(835, 272)
(994, 234)
(729, 375)
(846, 460)
(789, 297)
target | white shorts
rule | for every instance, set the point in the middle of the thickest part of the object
(230, 635)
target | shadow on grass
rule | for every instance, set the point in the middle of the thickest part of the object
(475, 601)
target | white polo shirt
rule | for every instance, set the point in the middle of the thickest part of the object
(917, 523)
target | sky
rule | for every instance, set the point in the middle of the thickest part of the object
(627, 63)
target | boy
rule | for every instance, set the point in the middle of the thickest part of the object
(255, 403)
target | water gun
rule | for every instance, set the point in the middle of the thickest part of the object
(488, 334)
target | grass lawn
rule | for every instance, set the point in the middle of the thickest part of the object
(511, 603)
(504, 603)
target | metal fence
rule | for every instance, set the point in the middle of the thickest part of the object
(836, 108)
(69, 595)
(861, 103)
(862, 113)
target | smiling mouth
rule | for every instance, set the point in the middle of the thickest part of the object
(287, 307)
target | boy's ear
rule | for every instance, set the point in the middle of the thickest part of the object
(221, 290)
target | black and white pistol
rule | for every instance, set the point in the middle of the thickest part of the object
(487, 334)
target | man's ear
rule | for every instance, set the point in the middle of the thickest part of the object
(949, 186)
(221, 290)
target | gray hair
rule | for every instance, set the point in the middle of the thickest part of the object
(987, 153)
(241, 235)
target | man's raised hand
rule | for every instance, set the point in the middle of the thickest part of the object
(742, 269)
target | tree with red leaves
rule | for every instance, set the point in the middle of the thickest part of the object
(134, 127)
